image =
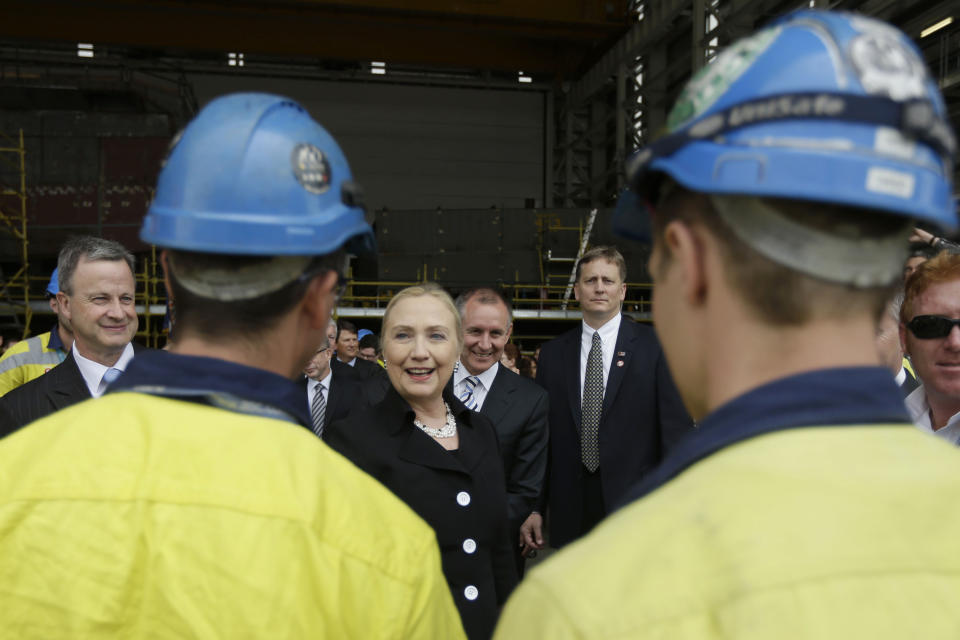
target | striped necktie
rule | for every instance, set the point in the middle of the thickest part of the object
(318, 410)
(466, 397)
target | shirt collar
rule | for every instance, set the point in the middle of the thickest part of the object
(92, 371)
(919, 410)
(901, 377)
(189, 377)
(607, 330)
(486, 378)
(827, 397)
(325, 381)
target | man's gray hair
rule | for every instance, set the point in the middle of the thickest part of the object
(90, 248)
(484, 295)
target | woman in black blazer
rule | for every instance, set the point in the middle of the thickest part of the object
(436, 455)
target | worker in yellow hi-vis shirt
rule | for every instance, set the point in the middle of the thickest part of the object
(31, 358)
(193, 500)
(805, 506)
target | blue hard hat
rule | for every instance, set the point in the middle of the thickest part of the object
(821, 106)
(253, 174)
(53, 287)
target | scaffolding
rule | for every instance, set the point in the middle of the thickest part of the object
(15, 290)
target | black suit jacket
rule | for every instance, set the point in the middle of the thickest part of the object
(642, 418)
(60, 387)
(343, 396)
(361, 369)
(517, 407)
(461, 495)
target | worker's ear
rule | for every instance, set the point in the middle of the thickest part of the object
(687, 255)
(165, 263)
(319, 299)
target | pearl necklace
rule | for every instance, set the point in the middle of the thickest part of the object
(446, 431)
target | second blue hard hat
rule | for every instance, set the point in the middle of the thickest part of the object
(820, 106)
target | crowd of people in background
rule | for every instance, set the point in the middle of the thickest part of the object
(766, 461)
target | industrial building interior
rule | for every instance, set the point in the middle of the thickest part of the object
(489, 135)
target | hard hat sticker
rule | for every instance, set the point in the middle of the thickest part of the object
(311, 168)
(714, 79)
(886, 66)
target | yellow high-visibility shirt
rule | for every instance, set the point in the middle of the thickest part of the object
(810, 533)
(138, 516)
(29, 359)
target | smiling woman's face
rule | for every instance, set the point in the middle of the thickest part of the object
(420, 346)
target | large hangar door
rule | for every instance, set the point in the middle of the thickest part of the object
(422, 147)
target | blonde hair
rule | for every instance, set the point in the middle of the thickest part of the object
(426, 289)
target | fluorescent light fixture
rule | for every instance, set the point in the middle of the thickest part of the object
(235, 59)
(378, 68)
(946, 22)
(84, 50)
(379, 65)
(378, 72)
(523, 78)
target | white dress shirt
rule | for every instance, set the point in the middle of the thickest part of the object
(92, 372)
(901, 377)
(324, 389)
(919, 411)
(480, 391)
(608, 342)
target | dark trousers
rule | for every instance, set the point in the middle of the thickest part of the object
(593, 509)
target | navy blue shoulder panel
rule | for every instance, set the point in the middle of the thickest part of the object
(827, 397)
(196, 379)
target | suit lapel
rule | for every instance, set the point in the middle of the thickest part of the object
(419, 448)
(621, 354)
(571, 365)
(333, 398)
(497, 401)
(471, 446)
(69, 386)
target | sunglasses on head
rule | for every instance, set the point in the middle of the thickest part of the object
(930, 327)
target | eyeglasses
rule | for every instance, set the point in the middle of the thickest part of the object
(930, 327)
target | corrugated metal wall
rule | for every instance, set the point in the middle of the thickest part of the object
(419, 147)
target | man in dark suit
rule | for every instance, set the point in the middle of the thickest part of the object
(614, 410)
(97, 298)
(516, 406)
(338, 394)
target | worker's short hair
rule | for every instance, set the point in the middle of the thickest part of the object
(216, 319)
(780, 295)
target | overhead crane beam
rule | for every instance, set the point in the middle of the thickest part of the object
(559, 37)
